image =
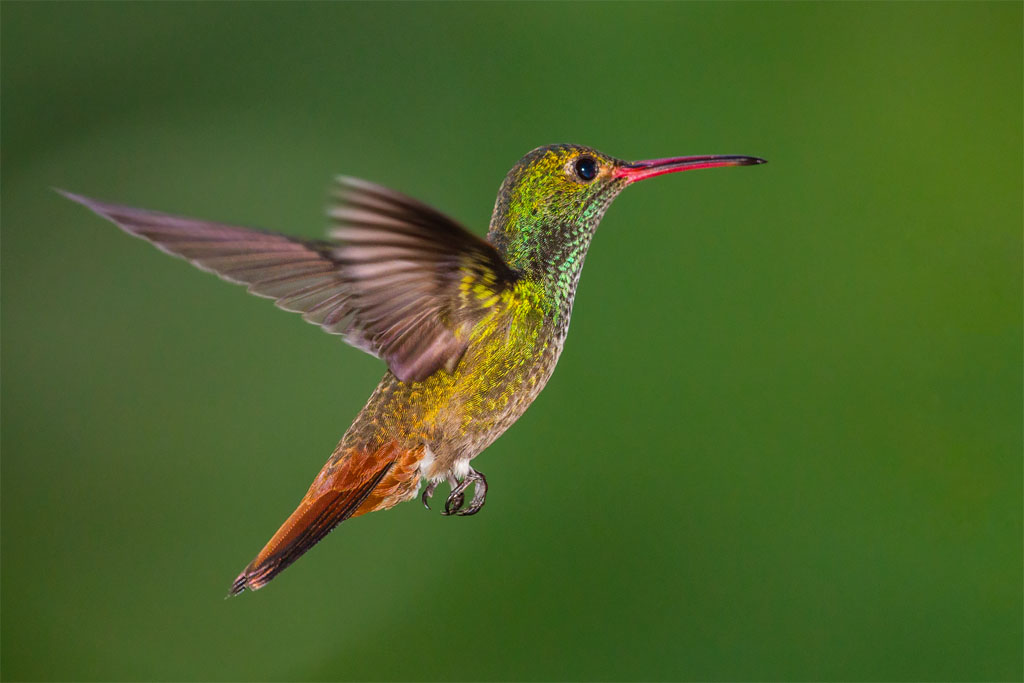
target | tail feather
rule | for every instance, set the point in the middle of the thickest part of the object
(343, 489)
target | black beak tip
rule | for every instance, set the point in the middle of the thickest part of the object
(756, 161)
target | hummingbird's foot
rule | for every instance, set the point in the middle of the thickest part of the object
(453, 506)
(428, 492)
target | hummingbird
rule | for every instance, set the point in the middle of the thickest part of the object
(470, 329)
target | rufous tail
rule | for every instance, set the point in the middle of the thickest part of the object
(348, 486)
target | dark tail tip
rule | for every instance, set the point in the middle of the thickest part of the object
(239, 585)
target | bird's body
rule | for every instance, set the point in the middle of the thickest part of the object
(510, 356)
(449, 418)
(471, 329)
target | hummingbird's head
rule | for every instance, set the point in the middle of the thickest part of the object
(553, 199)
(558, 185)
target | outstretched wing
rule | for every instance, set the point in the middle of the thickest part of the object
(389, 284)
(407, 268)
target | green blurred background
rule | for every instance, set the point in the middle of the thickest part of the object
(784, 441)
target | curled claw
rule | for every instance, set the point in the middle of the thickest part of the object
(455, 498)
(428, 493)
(479, 496)
(453, 506)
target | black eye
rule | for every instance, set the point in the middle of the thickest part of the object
(586, 168)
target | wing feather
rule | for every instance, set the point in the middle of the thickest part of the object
(389, 281)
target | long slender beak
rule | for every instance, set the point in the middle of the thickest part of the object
(640, 170)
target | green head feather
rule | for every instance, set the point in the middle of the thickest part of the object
(548, 209)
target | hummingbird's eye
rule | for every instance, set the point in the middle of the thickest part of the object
(586, 168)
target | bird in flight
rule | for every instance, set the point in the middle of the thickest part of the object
(470, 328)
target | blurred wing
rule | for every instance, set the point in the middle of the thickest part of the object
(338, 285)
(410, 271)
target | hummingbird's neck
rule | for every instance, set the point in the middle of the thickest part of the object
(547, 251)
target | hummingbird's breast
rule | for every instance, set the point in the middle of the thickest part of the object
(511, 354)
